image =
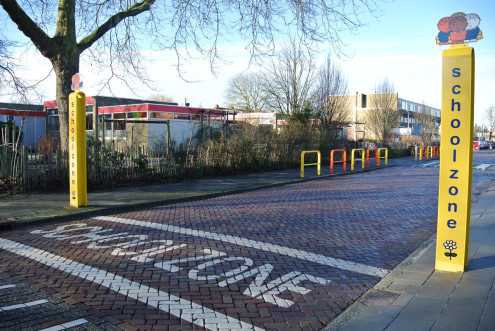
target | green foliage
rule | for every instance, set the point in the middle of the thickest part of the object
(302, 115)
(141, 163)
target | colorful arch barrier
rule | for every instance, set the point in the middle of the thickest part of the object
(353, 153)
(379, 156)
(426, 152)
(344, 159)
(380, 153)
(368, 157)
(318, 163)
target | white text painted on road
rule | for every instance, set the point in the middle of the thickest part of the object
(296, 253)
(98, 238)
(174, 305)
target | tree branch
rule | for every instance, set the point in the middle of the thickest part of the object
(25, 24)
(112, 22)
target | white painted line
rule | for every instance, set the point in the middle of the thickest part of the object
(4, 287)
(482, 166)
(429, 164)
(67, 325)
(23, 305)
(174, 305)
(300, 254)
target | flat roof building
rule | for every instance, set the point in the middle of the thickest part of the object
(416, 120)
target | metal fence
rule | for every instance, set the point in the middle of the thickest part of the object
(25, 169)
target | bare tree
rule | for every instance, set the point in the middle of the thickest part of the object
(111, 33)
(490, 119)
(330, 101)
(161, 97)
(383, 115)
(289, 79)
(245, 92)
(11, 84)
(426, 119)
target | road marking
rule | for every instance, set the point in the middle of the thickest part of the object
(23, 305)
(4, 287)
(300, 254)
(174, 305)
(67, 325)
(210, 259)
(482, 166)
(426, 164)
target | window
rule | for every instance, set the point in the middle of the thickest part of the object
(52, 124)
(182, 116)
(164, 115)
(140, 114)
(108, 125)
(89, 122)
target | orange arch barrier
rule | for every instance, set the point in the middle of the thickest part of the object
(344, 161)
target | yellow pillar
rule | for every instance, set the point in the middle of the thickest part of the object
(454, 197)
(77, 149)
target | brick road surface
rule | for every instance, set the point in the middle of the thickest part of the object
(290, 257)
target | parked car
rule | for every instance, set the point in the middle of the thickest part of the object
(476, 145)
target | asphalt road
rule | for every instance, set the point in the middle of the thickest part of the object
(289, 257)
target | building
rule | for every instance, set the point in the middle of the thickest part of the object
(149, 125)
(30, 119)
(417, 121)
(142, 123)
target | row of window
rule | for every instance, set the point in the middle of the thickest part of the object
(417, 108)
(404, 119)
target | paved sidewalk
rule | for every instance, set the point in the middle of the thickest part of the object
(416, 297)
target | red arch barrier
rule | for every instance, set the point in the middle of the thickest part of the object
(436, 151)
(344, 161)
(368, 157)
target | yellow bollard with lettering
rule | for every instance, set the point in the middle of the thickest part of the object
(454, 197)
(77, 149)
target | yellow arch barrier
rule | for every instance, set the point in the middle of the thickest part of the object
(352, 157)
(310, 164)
(420, 149)
(385, 157)
(429, 152)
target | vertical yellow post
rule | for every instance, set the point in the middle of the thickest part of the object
(302, 164)
(454, 196)
(77, 149)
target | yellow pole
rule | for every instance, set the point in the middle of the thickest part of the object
(77, 149)
(454, 196)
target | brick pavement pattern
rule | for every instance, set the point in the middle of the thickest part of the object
(291, 257)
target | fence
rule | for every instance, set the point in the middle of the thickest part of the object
(25, 170)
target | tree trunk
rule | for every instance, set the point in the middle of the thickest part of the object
(64, 70)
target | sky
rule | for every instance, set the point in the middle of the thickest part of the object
(399, 45)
